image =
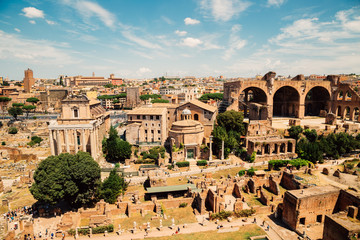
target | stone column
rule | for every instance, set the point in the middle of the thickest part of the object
(185, 153)
(52, 146)
(92, 144)
(278, 148)
(67, 141)
(83, 140)
(210, 156)
(222, 150)
(58, 141)
(75, 142)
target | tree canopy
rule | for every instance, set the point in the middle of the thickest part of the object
(66, 177)
(112, 187)
(229, 128)
(116, 149)
(148, 96)
(103, 97)
(214, 96)
(15, 112)
(18, 104)
(295, 131)
(159, 101)
(32, 100)
(5, 99)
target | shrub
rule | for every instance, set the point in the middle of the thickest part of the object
(251, 172)
(183, 164)
(252, 157)
(349, 165)
(102, 229)
(277, 164)
(170, 167)
(13, 130)
(242, 173)
(220, 215)
(245, 213)
(182, 205)
(201, 163)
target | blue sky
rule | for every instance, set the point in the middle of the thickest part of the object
(151, 38)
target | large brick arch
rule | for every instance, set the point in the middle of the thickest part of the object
(286, 102)
(316, 99)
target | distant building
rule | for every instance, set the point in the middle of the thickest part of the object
(147, 126)
(132, 97)
(81, 127)
(29, 80)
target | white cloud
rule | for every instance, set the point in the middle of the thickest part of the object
(235, 42)
(25, 50)
(50, 22)
(142, 42)
(91, 9)
(143, 71)
(32, 22)
(276, 3)
(17, 30)
(31, 12)
(191, 42)
(308, 46)
(224, 10)
(191, 21)
(180, 33)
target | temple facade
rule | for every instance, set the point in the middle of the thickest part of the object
(81, 127)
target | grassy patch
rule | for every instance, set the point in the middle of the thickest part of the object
(251, 199)
(20, 197)
(244, 233)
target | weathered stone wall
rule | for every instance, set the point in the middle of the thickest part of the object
(289, 182)
(174, 203)
(333, 230)
(16, 154)
(347, 198)
(273, 186)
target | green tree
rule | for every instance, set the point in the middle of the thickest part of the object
(71, 178)
(295, 131)
(18, 104)
(159, 101)
(311, 135)
(35, 140)
(116, 149)
(231, 121)
(32, 100)
(15, 112)
(4, 101)
(28, 109)
(310, 151)
(112, 187)
(214, 96)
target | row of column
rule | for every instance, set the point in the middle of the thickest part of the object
(73, 133)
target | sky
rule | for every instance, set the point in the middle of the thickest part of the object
(153, 38)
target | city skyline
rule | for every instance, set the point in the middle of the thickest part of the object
(142, 39)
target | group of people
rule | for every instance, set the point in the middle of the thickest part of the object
(12, 215)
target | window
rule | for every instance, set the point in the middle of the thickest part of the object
(157, 117)
(159, 124)
(319, 218)
(130, 118)
(76, 113)
(158, 131)
(151, 117)
(138, 116)
(159, 139)
(196, 117)
(145, 124)
(145, 131)
(302, 221)
(144, 117)
(152, 131)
